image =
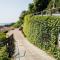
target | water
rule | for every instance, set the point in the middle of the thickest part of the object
(2, 24)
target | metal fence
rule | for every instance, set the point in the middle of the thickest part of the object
(53, 11)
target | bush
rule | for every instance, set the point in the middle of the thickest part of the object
(43, 32)
(3, 53)
(3, 49)
(17, 24)
(2, 36)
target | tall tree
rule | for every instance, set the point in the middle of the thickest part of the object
(31, 8)
(55, 2)
(23, 14)
(40, 5)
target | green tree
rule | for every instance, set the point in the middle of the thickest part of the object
(31, 8)
(17, 24)
(39, 5)
(23, 14)
(56, 3)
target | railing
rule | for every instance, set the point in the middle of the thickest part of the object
(51, 12)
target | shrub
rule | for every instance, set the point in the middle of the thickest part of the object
(3, 49)
(3, 53)
(43, 32)
(2, 36)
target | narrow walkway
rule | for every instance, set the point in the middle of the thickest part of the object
(24, 50)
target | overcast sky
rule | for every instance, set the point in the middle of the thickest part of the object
(11, 9)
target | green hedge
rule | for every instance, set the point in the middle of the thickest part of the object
(43, 32)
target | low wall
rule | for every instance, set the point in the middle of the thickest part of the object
(10, 45)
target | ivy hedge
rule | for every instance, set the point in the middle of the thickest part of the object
(43, 32)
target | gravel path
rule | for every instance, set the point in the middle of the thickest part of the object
(24, 50)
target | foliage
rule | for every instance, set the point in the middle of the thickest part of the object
(39, 5)
(3, 48)
(57, 3)
(3, 53)
(11, 24)
(2, 36)
(23, 14)
(21, 20)
(31, 8)
(43, 32)
(17, 24)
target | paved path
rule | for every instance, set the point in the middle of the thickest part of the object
(27, 51)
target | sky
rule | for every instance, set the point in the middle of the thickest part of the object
(10, 10)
